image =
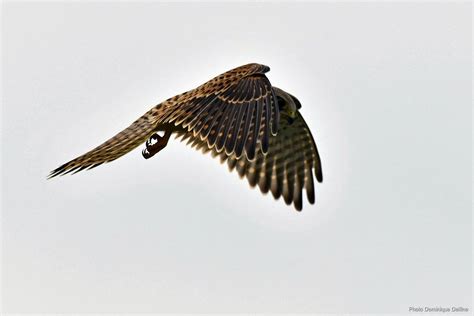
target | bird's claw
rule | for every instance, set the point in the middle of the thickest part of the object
(154, 137)
(152, 148)
(146, 154)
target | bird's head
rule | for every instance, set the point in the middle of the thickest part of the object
(287, 104)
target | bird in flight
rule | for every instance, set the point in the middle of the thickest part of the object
(238, 116)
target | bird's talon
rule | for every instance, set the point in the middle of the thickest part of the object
(154, 137)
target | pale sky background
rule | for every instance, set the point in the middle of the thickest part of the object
(385, 88)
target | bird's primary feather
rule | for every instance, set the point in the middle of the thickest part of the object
(290, 165)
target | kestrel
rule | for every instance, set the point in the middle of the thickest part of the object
(238, 116)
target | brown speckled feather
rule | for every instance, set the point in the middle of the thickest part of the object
(117, 146)
(289, 166)
(234, 111)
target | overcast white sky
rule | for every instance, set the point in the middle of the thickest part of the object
(385, 88)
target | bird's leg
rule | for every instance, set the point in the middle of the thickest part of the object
(152, 148)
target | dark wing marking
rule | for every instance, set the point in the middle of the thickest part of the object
(233, 118)
(286, 170)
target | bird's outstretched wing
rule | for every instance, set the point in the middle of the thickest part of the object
(236, 110)
(233, 116)
(288, 167)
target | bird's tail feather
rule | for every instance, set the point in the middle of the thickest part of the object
(115, 147)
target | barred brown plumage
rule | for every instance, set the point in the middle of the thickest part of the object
(288, 167)
(238, 116)
(115, 147)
